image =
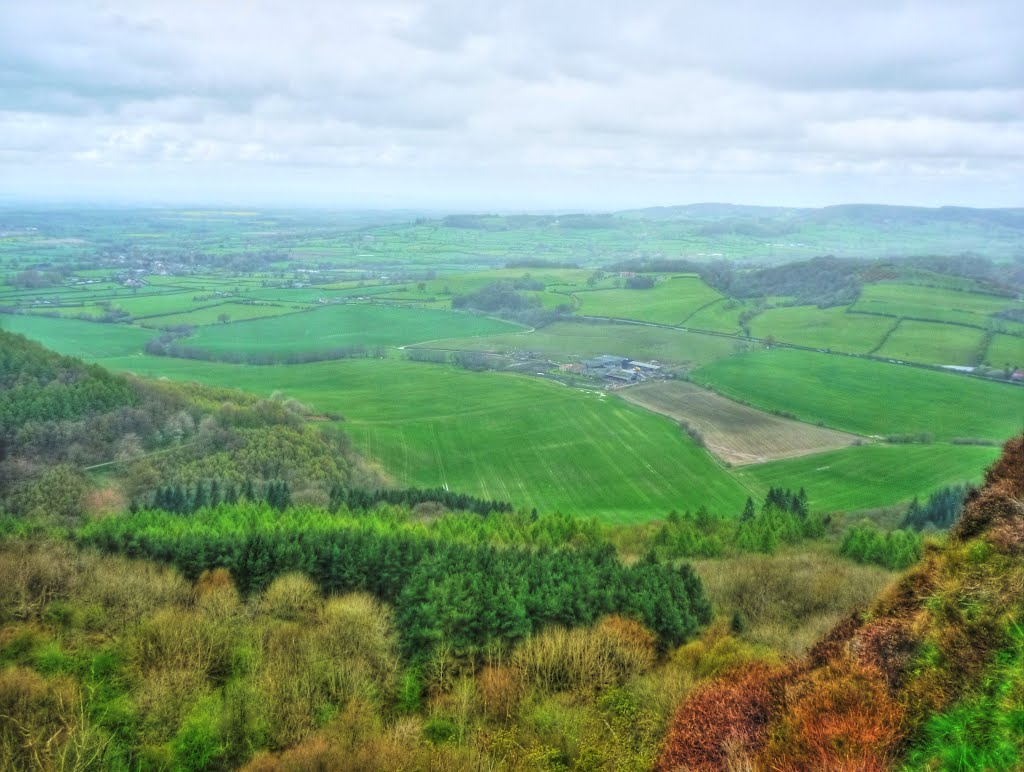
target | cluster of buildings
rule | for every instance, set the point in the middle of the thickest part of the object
(620, 370)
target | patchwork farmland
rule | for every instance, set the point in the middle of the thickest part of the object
(737, 434)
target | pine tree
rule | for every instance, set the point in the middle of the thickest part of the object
(748, 511)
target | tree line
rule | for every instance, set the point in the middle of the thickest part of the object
(357, 500)
(469, 596)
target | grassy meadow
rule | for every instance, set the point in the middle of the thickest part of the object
(828, 328)
(339, 326)
(495, 435)
(570, 340)
(670, 301)
(934, 344)
(932, 303)
(868, 397)
(872, 475)
(74, 337)
(1005, 350)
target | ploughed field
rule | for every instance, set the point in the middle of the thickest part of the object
(736, 433)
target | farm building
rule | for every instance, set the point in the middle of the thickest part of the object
(645, 367)
(606, 360)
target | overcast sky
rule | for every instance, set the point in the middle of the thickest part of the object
(554, 104)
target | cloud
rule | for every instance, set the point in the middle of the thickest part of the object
(529, 103)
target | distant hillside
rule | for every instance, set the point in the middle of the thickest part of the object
(931, 676)
(866, 214)
(60, 417)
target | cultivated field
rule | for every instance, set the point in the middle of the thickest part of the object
(933, 343)
(876, 475)
(1005, 350)
(722, 316)
(934, 303)
(338, 326)
(236, 312)
(670, 302)
(87, 340)
(828, 328)
(735, 433)
(868, 397)
(529, 441)
(566, 341)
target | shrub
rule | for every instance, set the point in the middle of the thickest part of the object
(725, 722)
(292, 597)
(585, 660)
(173, 639)
(358, 635)
(130, 590)
(840, 717)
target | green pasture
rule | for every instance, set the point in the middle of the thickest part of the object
(669, 302)
(933, 343)
(568, 341)
(827, 328)
(868, 397)
(159, 305)
(932, 303)
(1005, 350)
(237, 312)
(721, 316)
(533, 442)
(88, 340)
(313, 295)
(69, 312)
(337, 326)
(874, 475)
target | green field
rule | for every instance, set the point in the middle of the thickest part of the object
(88, 340)
(933, 343)
(156, 305)
(872, 475)
(723, 316)
(669, 302)
(934, 303)
(338, 326)
(529, 441)
(566, 341)
(236, 311)
(1005, 350)
(829, 328)
(313, 295)
(868, 397)
(70, 312)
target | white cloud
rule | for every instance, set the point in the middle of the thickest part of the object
(597, 104)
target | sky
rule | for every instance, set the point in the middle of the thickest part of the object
(511, 106)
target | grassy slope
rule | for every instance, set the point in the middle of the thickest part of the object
(872, 475)
(669, 302)
(943, 305)
(868, 397)
(1005, 349)
(236, 311)
(496, 435)
(830, 328)
(88, 340)
(344, 325)
(931, 343)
